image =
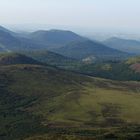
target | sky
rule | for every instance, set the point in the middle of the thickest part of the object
(86, 14)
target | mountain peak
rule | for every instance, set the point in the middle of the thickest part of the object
(55, 37)
(58, 30)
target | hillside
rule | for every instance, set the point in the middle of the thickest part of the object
(15, 58)
(55, 38)
(126, 45)
(44, 102)
(51, 58)
(125, 70)
(84, 49)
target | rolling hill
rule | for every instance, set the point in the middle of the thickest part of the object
(88, 48)
(126, 45)
(43, 102)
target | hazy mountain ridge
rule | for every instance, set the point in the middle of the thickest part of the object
(126, 45)
(5, 30)
(63, 42)
(12, 43)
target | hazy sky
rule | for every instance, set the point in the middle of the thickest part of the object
(117, 14)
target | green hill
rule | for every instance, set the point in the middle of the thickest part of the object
(44, 102)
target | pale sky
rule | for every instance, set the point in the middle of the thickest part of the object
(117, 14)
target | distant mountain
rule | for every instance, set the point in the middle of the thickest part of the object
(8, 42)
(39, 40)
(65, 43)
(11, 43)
(55, 37)
(15, 58)
(126, 45)
(88, 48)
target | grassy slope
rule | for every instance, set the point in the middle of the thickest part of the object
(35, 98)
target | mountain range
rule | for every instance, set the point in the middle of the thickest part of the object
(62, 42)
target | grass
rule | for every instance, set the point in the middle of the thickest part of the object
(41, 102)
